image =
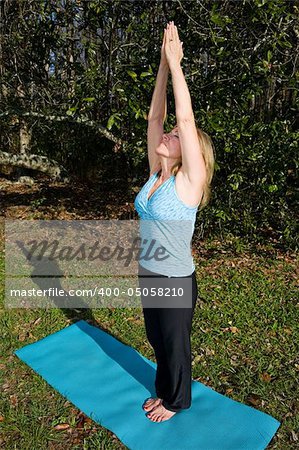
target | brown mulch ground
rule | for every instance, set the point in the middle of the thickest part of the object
(52, 200)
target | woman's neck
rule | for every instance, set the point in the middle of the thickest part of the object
(165, 168)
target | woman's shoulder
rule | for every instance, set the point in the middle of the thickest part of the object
(188, 194)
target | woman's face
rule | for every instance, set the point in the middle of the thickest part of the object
(170, 144)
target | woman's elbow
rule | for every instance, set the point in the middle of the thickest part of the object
(185, 118)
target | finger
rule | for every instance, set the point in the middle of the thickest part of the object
(168, 35)
(170, 30)
(175, 34)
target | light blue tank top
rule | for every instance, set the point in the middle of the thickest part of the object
(166, 222)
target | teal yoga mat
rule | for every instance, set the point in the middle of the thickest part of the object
(109, 382)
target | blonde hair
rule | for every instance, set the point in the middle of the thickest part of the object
(208, 152)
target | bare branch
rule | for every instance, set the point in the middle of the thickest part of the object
(81, 120)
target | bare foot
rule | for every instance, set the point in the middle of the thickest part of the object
(160, 414)
(151, 403)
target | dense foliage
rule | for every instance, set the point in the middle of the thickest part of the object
(98, 60)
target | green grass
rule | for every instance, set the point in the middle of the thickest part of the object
(244, 345)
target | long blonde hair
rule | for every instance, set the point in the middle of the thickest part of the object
(208, 152)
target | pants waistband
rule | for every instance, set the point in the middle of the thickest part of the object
(148, 273)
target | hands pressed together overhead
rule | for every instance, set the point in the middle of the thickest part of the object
(171, 51)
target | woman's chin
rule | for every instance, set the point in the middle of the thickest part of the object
(163, 155)
(162, 150)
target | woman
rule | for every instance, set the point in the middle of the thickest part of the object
(181, 169)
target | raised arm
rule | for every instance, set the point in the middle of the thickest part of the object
(158, 111)
(193, 164)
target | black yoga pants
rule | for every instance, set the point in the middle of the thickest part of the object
(168, 331)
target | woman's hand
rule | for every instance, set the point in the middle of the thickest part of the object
(173, 45)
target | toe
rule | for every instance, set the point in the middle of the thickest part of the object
(147, 405)
(152, 406)
(156, 417)
(151, 403)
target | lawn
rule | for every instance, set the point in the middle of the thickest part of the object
(244, 344)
